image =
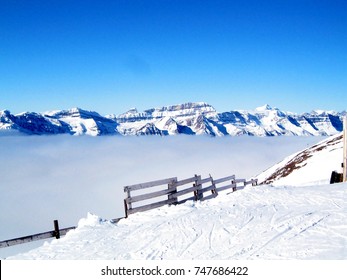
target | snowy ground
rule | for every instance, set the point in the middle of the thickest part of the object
(261, 222)
(311, 166)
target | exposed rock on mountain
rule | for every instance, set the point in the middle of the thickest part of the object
(314, 164)
(189, 118)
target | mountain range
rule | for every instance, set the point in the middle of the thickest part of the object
(196, 118)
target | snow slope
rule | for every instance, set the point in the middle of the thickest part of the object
(263, 222)
(312, 165)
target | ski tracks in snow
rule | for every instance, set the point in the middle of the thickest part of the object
(261, 222)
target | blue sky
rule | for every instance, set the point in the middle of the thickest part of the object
(109, 56)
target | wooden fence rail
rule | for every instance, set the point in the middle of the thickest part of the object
(171, 190)
(35, 237)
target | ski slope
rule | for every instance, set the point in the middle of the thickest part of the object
(262, 222)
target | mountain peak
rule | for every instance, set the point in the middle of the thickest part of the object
(323, 112)
(74, 113)
(5, 112)
(265, 107)
(178, 110)
(132, 111)
(197, 106)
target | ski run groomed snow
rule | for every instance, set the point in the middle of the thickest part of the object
(262, 222)
(275, 221)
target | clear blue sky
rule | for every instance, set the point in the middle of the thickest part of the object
(111, 55)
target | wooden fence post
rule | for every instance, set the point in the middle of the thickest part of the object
(56, 229)
(344, 163)
(195, 192)
(234, 187)
(127, 205)
(125, 209)
(214, 190)
(173, 186)
(198, 194)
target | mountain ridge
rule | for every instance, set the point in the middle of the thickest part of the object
(192, 118)
(312, 165)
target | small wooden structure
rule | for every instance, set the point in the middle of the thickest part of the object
(336, 177)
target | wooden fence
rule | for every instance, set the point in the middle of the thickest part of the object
(168, 191)
(30, 238)
(171, 192)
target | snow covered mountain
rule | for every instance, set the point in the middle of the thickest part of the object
(74, 121)
(189, 118)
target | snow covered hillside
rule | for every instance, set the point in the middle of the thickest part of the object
(263, 222)
(273, 221)
(313, 165)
